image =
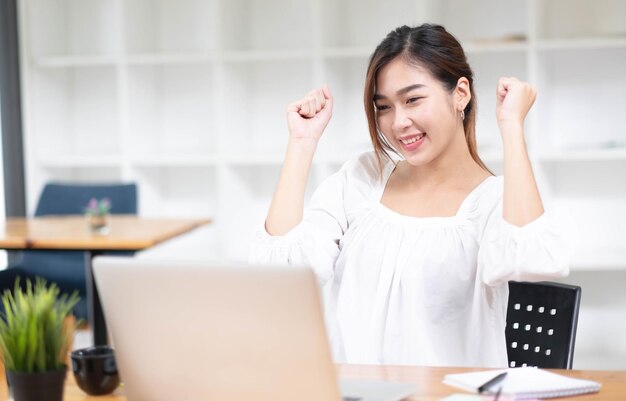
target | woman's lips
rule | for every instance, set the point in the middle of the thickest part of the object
(412, 142)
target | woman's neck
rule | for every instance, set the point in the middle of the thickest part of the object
(455, 162)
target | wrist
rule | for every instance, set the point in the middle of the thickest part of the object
(511, 129)
(510, 124)
(514, 144)
(302, 149)
(302, 144)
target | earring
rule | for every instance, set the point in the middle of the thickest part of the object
(463, 115)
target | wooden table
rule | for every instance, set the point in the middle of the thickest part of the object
(428, 380)
(71, 233)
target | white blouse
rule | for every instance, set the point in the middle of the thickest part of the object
(414, 290)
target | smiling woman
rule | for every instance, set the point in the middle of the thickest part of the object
(417, 240)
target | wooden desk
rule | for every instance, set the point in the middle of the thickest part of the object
(428, 380)
(431, 388)
(71, 233)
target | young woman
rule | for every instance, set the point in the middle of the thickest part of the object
(417, 252)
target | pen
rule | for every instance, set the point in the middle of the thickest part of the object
(497, 397)
(492, 382)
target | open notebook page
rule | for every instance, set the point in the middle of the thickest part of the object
(525, 383)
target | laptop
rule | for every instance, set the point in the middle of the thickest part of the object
(193, 330)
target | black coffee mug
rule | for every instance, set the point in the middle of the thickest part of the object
(95, 370)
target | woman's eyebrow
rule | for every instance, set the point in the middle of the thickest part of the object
(409, 89)
(400, 91)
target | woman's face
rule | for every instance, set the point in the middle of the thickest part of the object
(415, 112)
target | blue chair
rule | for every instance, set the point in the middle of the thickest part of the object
(67, 268)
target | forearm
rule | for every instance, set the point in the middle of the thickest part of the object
(287, 204)
(522, 202)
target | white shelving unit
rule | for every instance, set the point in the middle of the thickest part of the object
(187, 98)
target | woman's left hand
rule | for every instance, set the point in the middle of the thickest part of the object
(514, 99)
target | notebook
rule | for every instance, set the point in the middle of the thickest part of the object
(525, 383)
(197, 330)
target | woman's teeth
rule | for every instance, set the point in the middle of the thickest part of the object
(411, 140)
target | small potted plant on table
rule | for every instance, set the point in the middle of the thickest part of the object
(97, 212)
(35, 340)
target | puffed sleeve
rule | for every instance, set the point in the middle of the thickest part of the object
(315, 241)
(536, 251)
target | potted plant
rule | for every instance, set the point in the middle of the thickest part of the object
(35, 340)
(97, 212)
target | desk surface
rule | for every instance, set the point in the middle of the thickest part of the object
(428, 380)
(131, 233)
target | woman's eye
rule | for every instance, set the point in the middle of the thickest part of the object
(381, 107)
(413, 99)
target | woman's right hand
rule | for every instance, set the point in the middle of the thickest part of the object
(308, 117)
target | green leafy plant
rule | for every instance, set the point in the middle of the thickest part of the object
(34, 336)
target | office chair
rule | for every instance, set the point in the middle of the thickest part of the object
(541, 324)
(67, 268)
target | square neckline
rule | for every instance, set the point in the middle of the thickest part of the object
(390, 168)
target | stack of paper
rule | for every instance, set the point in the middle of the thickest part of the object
(525, 383)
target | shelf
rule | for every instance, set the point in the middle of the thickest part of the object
(507, 20)
(580, 96)
(101, 160)
(582, 43)
(277, 159)
(257, 96)
(255, 159)
(177, 192)
(244, 25)
(589, 155)
(83, 174)
(495, 46)
(349, 23)
(73, 28)
(75, 111)
(347, 52)
(490, 155)
(169, 58)
(76, 61)
(174, 160)
(188, 97)
(267, 55)
(169, 26)
(171, 109)
(598, 18)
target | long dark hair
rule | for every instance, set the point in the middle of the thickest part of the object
(435, 49)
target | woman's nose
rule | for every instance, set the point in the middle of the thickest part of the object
(401, 121)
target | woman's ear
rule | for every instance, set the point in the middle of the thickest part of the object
(462, 94)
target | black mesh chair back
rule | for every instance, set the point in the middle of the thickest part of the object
(541, 324)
